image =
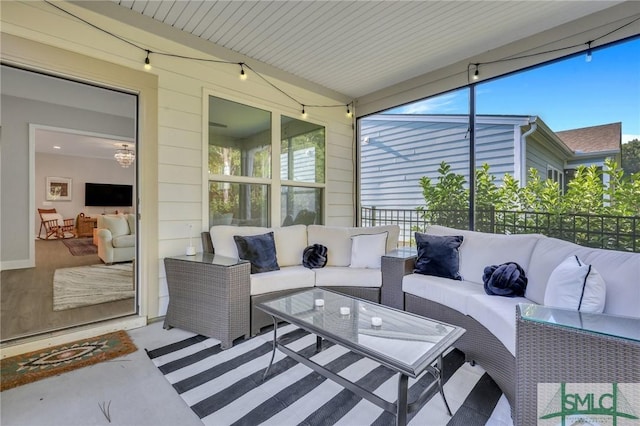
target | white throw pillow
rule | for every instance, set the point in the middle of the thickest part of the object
(575, 285)
(367, 250)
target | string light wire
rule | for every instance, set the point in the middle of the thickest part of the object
(263, 78)
(147, 64)
(559, 49)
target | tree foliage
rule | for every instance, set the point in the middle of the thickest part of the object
(591, 201)
(631, 156)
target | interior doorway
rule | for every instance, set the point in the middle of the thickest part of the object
(76, 277)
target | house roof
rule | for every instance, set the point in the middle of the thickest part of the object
(606, 137)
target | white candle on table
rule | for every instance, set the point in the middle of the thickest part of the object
(345, 310)
(376, 321)
(319, 302)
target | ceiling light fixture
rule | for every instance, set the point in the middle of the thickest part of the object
(476, 75)
(588, 58)
(243, 75)
(304, 114)
(147, 63)
(349, 114)
(124, 156)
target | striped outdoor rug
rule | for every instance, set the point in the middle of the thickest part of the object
(226, 387)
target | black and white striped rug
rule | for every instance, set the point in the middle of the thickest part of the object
(226, 387)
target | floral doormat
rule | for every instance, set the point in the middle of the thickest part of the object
(33, 366)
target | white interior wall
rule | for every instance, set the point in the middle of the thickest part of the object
(180, 130)
(79, 170)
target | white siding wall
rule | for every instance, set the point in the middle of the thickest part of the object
(180, 103)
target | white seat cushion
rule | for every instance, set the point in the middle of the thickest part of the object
(287, 278)
(290, 244)
(117, 224)
(222, 237)
(124, 241)
(618, 269)
(331, 276)
(53, 216)
(498, 315)
(479, 250)
(451, 293)
(336, 239)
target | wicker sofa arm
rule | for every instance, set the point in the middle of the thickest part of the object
(395, 265)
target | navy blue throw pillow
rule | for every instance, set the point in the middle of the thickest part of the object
(314, 256)
(260, 250)
(507, 280)
(438, 255)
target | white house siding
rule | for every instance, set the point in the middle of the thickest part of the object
(180, 176)
(539, 156)
(399, 151)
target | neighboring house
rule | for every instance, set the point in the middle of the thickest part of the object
(592, 145)
(397, 150)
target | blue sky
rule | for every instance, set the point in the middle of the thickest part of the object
(568, 94)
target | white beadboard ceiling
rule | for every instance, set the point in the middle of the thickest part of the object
(359, 47)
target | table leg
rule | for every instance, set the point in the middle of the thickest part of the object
(401, 404)
(318, 343)
(275, 344)
(439, 378)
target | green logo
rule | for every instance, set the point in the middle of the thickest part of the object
(588, 403)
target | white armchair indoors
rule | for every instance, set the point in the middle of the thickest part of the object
(116, 238)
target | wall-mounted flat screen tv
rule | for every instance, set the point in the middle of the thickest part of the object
(108, 195)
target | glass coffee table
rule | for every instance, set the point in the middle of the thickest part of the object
(406, 343)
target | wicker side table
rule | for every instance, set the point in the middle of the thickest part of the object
(395, 265)
(557, 346)
(209, 295)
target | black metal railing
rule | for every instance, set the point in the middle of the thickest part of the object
(598, 231)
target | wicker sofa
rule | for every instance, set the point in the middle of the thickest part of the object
(290, 242)
(490, 321)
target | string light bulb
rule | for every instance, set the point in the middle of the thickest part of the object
(304, 113)
(349, 113)
(588, 58)
(243, 75)
(476, 74)
(147, 63)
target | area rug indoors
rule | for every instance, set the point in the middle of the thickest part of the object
(226, 387)
(27, 368)
(80, 246)
(89, 285)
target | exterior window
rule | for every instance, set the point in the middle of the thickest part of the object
(239, 164)
(302, 171)
(243, 188)
(556, 176)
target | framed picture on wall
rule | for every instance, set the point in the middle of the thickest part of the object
(58, 189)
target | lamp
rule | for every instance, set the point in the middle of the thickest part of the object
(125, 156)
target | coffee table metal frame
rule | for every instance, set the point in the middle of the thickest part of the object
(402, 407)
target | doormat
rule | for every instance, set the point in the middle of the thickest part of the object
(30, 367)
(90, 285)
(80, 246)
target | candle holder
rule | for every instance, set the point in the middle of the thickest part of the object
(376, 322)
(319, 303)
(344, 310)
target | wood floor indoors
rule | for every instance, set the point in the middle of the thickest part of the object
(26, 296)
